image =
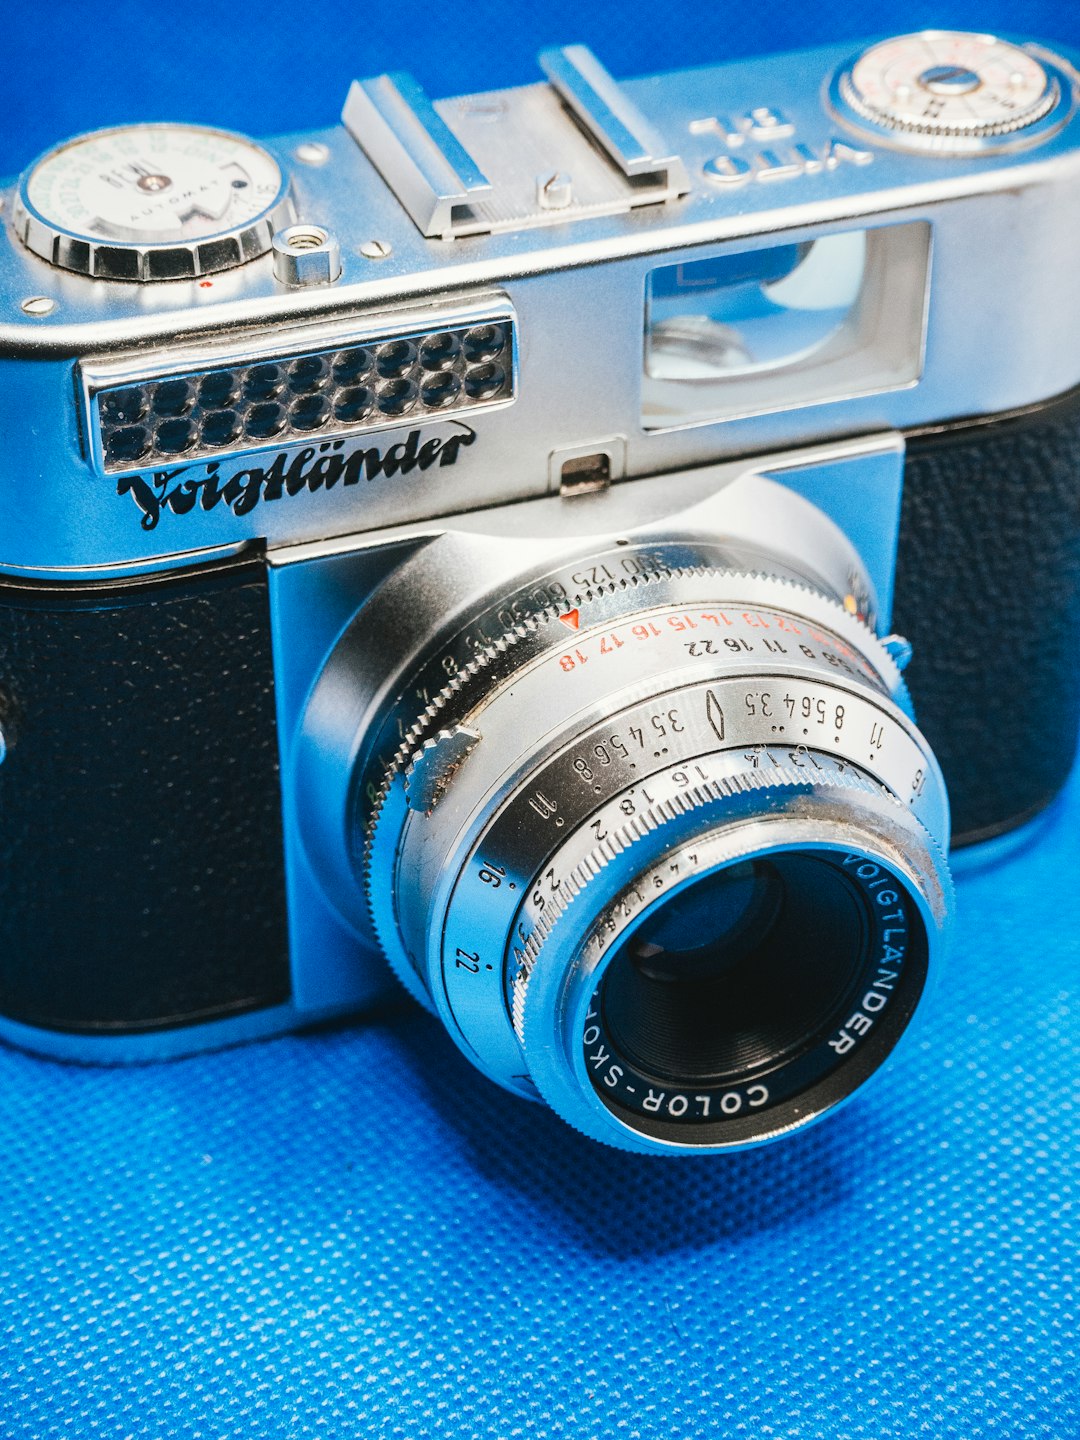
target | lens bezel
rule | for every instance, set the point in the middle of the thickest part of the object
(735, 976)
(558, 1009)
(877, 998)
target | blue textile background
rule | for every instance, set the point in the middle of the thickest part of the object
(306, 1237)
(263, 66)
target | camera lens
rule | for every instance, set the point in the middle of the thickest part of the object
(653, 831)
(726, 997)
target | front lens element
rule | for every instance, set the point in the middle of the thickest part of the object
(699, 1022)
(738, 973)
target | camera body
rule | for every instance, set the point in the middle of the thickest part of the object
(263, 470)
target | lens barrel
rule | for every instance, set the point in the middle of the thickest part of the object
(666, 853)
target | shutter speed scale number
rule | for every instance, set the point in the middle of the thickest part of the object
(148, 202)
(953, 92)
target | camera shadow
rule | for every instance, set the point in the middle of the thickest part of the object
(613, 1202)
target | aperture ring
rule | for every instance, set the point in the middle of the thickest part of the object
(535, 922)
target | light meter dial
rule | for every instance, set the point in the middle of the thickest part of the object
(152, 202)
(953, 91)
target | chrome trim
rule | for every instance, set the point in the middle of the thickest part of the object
(414, 150)
(103, 375)
(612, 118)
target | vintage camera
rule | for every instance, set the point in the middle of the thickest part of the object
(481, 537)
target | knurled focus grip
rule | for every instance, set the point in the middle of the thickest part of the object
(988, 591)
(141, 871)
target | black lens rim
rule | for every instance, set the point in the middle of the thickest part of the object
(811, 1082)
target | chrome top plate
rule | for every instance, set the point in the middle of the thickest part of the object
(765, 121)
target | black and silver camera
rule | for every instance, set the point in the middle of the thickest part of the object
(481, 537)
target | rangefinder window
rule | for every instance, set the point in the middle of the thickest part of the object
(752, 331)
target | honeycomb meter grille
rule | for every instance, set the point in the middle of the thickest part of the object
(310, 394)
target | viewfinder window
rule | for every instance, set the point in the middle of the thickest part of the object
(746, 332)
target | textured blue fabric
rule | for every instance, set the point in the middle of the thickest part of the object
(263, 66)
(352, 1233)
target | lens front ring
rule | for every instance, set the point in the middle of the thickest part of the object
(587, 1080)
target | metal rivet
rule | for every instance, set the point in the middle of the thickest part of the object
(375, 250)
(312, 152)
(38, 305)
(554, 190)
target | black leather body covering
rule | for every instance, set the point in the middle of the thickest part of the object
(988, 591)
(141, 867)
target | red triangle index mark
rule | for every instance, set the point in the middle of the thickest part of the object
(572, 619)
